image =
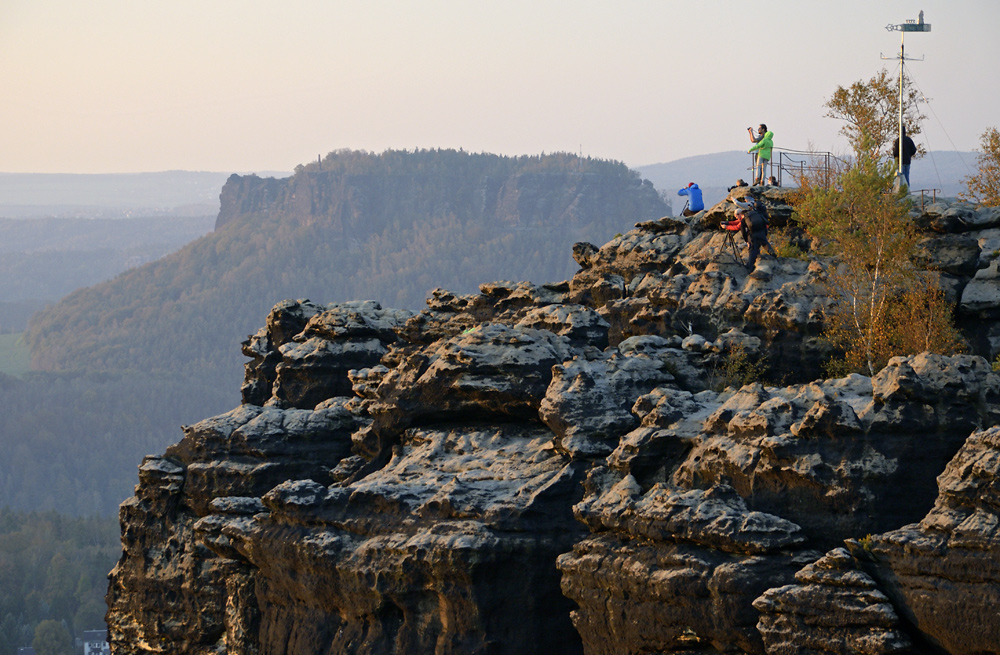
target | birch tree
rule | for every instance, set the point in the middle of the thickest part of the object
(868, 240)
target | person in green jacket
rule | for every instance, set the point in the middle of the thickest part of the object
(763, 148)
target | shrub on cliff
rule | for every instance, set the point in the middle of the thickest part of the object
(883, 305)
(983, 186)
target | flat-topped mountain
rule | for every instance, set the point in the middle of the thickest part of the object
(386, 226)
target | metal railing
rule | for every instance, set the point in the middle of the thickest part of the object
(795, 164)
(923, 195)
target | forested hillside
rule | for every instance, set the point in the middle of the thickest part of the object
(388, 227)
(71, 441)
(43, 259)
(53, 569)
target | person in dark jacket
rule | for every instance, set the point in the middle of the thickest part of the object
(909, 149)
(694, 204)
(753, 226)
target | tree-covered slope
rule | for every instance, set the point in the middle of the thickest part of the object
(53, 569)
(388, 227)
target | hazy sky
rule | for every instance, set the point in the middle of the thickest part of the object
(242, 85)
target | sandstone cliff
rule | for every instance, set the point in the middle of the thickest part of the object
(357, 193)
(557, 468)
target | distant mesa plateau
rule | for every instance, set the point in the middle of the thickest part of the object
(580, 466)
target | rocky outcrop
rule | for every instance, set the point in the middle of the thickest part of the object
(944, 571)
(834, 608)
(581, 467)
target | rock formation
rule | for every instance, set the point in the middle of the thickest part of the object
(580, 467)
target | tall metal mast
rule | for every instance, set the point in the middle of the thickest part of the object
(909, 26)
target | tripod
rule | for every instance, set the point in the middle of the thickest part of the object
(730, 229)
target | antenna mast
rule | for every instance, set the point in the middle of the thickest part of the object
(909, 26)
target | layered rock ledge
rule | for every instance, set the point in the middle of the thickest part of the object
(575, 468)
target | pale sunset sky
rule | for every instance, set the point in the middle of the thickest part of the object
(113, 86)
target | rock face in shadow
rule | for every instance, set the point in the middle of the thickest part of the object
(944, 571)
(575, 468)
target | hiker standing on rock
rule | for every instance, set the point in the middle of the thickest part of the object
(694, 204)
(909, 149)
(762, 145)
(753, 226)
(761, 129)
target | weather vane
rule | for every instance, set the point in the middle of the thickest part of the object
(909, 26)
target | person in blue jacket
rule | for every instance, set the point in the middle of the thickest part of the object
(694, 203)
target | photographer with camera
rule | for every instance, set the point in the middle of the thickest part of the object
(694, 204)
(762, 144)
(754, 227)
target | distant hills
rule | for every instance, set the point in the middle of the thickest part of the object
(121, 195)
(44, 259)
(196, 193)
(388, 227)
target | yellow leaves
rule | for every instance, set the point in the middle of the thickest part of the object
(921, 320)
(871, 332)
(870, 110)
(984, 185)
(883, 305)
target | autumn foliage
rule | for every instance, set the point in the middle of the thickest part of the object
(870, 112)
(983, 186)
(881, 304)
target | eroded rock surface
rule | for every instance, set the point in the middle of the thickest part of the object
(832, 608)
(944, 571)
(583, 467)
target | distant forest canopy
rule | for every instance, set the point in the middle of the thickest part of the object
(53, 568)
(133, 357)
(72, 441)
(436, 161)
(43, 259)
